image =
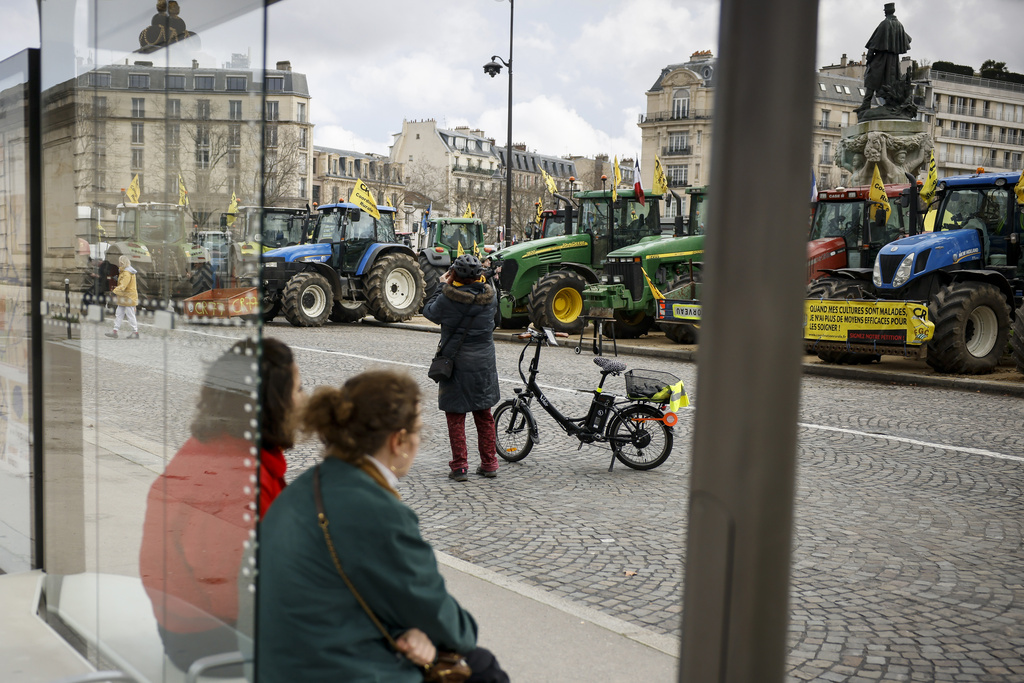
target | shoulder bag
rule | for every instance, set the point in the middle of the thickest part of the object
(442, 366)
(447, 667)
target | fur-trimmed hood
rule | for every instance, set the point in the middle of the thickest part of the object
(464, 295)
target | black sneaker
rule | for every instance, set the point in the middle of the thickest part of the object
(133, 335)
(458, 475)
(490, 474)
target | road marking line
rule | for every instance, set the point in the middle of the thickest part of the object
(914, 442)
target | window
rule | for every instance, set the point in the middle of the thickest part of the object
(202, 158)
(302, 164)
(410, 157)
(236, 82)
(302, 187)
(826, 152)
(844, 119)
(173, 134)
(681, 104)
(822, 86)
(303, 135)
(678, 175)
(173, 158)
(272, 111)
(270, 137)
(234, 157)
(862, 91)
(138, 107)
(235, 110)
(138, 136)
(174, 109)
(204, 82)
(101, 157)
(839, 89)
(202, 147)
(824, 117)
(203, 109)
(137, 159)
(275, 83)
(314, 165)
(316, 194)
(846, 89)
(99, 131)
(138, 81)
(175, 82)
(300, 112)
(99, 80)
(235, 135)
(99, 106)
(417, 136)
(678, 142)
(171, 185)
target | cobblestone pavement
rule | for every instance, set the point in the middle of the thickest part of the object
(908, 561)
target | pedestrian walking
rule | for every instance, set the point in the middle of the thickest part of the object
(201, 510)
(126, 295)
(346, 579)
(464, 306)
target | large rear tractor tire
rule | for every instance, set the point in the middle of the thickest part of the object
(395, 288)
(556, 301)
(680, 333)
(972, 326)
(1017, 339)
(632, 325)
(431, 277)
(306, 300)
(348, 311)
(842, 289)
(201, 279)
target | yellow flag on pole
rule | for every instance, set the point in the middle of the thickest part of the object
(660, 182)
(928, 189)
(1018, 189)
(655, 292)
(549, 181)
(363, 198)
(232, 210)
(469, 211)
(133, 192)
(877, 194)
(540, 209)
(616, 180)
(182, 192)
(460, 251)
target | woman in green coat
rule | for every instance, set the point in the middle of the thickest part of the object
(311, 627)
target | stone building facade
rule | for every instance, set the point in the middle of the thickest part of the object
(335, 172)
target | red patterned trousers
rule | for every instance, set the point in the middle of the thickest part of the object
(484, 437)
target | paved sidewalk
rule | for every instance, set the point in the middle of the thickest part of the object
(541, 638)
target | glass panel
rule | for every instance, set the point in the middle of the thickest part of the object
(16, 532)
(152, 459)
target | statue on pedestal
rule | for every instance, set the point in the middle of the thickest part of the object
(882, 76)
(895, 156)
(164, 28)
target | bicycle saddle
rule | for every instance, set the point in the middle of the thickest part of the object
(609, 365)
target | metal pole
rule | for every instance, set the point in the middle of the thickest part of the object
(508, 142)
(744, 462)
(35, 231)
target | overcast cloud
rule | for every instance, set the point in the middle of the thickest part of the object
(581, 66)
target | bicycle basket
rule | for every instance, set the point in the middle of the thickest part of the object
(649, 385)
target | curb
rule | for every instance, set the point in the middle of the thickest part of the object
(689, 355)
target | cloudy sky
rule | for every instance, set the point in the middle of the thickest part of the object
(581, 66)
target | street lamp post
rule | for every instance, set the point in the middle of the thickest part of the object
(500, 177)
(492, 69)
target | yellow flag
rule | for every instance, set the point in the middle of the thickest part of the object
(182, 192)
(655, 292)
(469, 211)
(363, 198)
(928, 190)
(232, 210)
(549, 181)
(1018, 189)
(617, 179)
(540, 209)
(460, 251)
(133, 192)
(476, 248)
(877, 194)
(660, 182)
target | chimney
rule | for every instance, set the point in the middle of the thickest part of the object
(842, 61)
(284, 66)
(195, 63)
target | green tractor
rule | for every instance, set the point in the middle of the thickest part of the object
(159, 239)
(444, 238)
(672, 262)
(542, 280)
(258, 229)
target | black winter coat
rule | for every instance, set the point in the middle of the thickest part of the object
(474, 383)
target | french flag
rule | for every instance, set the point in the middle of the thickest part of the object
(638, 186)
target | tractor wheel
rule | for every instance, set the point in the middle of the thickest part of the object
(201, 279)
(972, 324)
(272, 312)
(1017, 339)
(306, 300)
(395, 288)
(632, 325)
(516, 322)
(556, 301)
(844, 289)
(680, 333)
(105, 282)
(348, 311)
(431, 275)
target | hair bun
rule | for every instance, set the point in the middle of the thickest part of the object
(343, 410)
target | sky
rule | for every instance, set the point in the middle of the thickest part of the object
(581, 67)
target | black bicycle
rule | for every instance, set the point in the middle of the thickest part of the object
(637, 427)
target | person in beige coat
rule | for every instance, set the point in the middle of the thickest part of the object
(126, 294)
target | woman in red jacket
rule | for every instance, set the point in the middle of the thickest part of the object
(201, 510)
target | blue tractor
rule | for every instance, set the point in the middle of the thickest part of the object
(351, 264)
(969, 271)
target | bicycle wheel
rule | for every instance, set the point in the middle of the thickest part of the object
(512, 427)
(638, 438)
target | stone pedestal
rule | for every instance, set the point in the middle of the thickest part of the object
(897, 147)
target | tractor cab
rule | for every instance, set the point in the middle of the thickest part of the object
(613, 225)
(343, 233)
(554, 223)
(986, 204)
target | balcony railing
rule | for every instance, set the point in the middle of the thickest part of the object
(678, 182)
(975, 160)
(689, 115)
(828, 125)
(676, 150)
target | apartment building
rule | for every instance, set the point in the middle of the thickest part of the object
(335, 172)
